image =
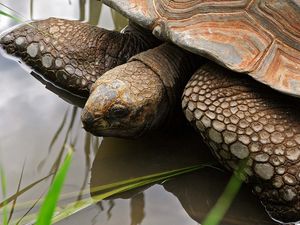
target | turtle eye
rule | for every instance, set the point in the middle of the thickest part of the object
(118, 111)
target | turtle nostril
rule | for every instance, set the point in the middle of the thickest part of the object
(87, 118)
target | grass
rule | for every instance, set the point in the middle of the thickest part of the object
(120, 187)
(49, 213)
(47, 210)
(10, 16)
(216, 214)
(19, 18)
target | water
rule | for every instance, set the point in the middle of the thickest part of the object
(35, 124)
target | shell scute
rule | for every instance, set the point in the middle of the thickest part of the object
(261, 37)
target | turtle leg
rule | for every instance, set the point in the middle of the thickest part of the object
(72, 54)
(240, 118)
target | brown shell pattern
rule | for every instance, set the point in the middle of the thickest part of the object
(258, 37)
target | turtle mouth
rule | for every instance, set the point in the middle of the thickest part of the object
(103, 128)
(131, 126)
(121, 132)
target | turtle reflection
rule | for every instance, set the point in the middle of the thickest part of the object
(120, 159)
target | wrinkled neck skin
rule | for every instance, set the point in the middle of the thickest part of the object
(141, 36)
(173, 65)
(140, 95)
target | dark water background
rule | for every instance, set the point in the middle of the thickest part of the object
(35, 124)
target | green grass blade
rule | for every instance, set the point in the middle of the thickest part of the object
(88, 202)
(127, 182)
(10, 16)
(17, 19)
(108, 187)
(216, 214)
(116, 188)
(48, 207)
(83, 204)
(27, 212)
(15, 12)
(18, 189)
(3, 186)
(22, 191)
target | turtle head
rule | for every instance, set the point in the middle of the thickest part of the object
(125, 102)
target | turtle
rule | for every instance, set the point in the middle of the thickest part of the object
(211, 47)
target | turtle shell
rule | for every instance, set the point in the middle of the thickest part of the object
(258, 37)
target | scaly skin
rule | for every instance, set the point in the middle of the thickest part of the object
(72, 54)
(139, 95)
(242, 119)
